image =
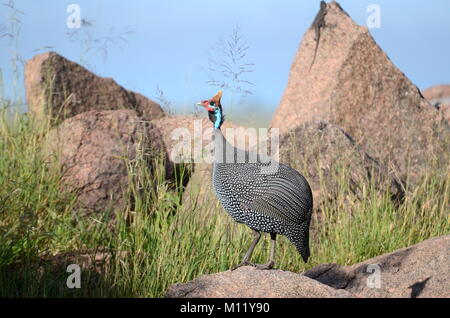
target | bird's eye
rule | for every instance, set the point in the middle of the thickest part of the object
(211, 103)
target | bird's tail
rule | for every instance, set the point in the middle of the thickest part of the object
(300, 238)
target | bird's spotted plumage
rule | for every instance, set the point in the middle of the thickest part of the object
(277, 201)
(258, 191)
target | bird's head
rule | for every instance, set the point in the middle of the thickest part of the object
(214, 109)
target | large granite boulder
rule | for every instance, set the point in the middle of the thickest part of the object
(61, 88)
(355, 85)
(93, 150)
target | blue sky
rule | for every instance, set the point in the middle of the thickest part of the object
(171, 39)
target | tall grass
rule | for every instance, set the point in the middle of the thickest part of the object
(158, 241)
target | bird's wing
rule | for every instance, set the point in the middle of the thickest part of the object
(285, 197)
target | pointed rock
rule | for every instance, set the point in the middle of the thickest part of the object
(354, 85)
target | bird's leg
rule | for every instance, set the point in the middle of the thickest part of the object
(271, 262)
(245, 260)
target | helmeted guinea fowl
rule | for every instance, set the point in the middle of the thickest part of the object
(258, 191)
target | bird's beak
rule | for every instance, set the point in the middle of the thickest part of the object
(208, 108)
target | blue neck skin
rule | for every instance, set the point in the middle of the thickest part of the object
(218, 115)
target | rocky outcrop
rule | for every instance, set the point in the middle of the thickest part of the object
(323, 153)
(62, 88)
(438, 93)
(439, 96)
(93, 148)
(249, 282)
(420, 270)
(354, 85)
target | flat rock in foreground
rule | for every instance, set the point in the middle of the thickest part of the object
(249, 282)
(420, 270)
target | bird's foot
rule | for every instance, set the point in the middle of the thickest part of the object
(268, 265)
(244, 263)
